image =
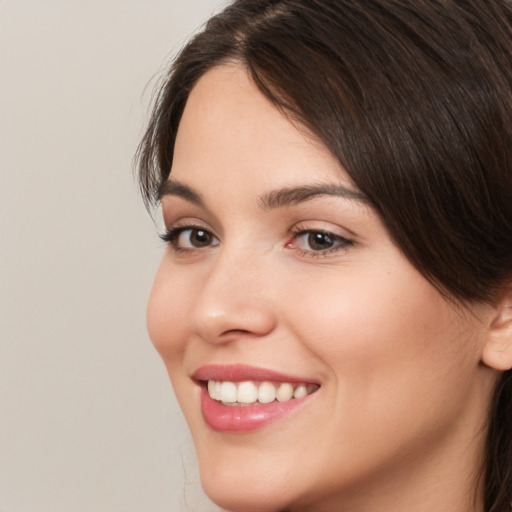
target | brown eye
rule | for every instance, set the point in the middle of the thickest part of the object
(189, 238)
(198, 237)
(318, 241)
(194, 238)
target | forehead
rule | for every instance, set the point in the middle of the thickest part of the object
(230, 129)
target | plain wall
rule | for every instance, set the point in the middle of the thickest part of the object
(88, 420)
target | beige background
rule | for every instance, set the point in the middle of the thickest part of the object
(88, 422)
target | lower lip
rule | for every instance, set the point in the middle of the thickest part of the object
(238, 418)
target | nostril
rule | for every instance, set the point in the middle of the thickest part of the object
(237, 332)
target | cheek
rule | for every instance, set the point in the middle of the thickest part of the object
(386, 339)
(399, 365)
(167, 307)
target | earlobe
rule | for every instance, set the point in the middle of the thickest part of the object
(497, 352)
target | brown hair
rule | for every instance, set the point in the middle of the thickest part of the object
(414, 98)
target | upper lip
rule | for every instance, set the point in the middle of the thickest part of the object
(240, 373)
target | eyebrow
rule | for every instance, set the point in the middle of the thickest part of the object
(271, 200)
(295, 195)
(176, 188)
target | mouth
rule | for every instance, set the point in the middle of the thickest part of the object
(237, 398)
(250, 392)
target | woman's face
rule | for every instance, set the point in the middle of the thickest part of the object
(279, 271)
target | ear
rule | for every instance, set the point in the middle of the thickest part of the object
(497, 351)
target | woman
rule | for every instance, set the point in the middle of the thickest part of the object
(334, 306)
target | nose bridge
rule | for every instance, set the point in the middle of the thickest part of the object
(233, 300)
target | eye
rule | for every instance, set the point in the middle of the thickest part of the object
(318, 243)
(189, 238)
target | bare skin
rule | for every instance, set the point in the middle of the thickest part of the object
(313, 286)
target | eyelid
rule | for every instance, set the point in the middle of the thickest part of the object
(340, 242)
(187, 222)
(320, 227)
(174, 230)
(343, 242)
(177, 211)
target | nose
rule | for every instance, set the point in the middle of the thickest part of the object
(235, 301)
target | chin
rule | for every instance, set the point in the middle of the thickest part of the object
(245, 491)
(239, 500)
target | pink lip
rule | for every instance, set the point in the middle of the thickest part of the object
(240, 373)
(246, 418)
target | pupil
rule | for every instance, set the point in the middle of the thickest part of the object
(319, 241)
(200, 238)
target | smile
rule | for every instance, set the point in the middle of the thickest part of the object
(236, 398)
(249, 392)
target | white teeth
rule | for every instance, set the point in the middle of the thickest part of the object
(300, 391)
(248, 392)
(228, 392)
(216, 391)
(285, 392)
(266, 393)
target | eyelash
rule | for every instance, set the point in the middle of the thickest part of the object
(172, 234)
(340, 243)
